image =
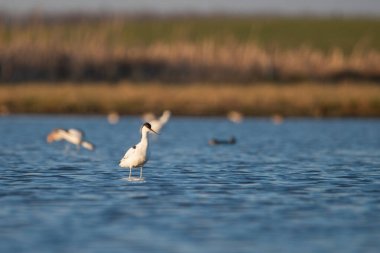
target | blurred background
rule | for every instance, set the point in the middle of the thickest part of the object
(275, 182)
(294, 58)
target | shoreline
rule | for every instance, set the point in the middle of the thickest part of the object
(256, 100)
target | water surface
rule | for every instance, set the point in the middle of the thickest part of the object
(302, 186)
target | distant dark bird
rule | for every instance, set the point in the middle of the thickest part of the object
(214, 141)
(73, 136)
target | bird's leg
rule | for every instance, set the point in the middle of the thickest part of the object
(141, 171)
(130, 172)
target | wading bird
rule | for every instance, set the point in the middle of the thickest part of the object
(157, 124)
(138, 155)
(73, 136)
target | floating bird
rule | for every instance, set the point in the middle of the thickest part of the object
(235, 116)
(157, 124)
(73, 136)
(149, 116)
(113, 118)
(214, 141)
(277, 119)
(138, 155)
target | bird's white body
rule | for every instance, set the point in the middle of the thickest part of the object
(157, 124)
(137, 155)
(235, 116)
(149, 116)
(73, 136)
(113, 118)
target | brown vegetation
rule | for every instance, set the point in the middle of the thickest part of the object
(168, 51)
(184, 62)
(309, 99)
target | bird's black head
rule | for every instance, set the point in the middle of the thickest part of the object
(149, 126)
(146, 124)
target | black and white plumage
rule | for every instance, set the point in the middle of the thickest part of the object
(138, 155)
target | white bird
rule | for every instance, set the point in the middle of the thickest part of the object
(149, 116)
(113, 118)
(157, 124)
(73, 136)
(138, 155)
(235, 116)
(277, 119)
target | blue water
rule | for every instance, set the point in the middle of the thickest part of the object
(302, 186)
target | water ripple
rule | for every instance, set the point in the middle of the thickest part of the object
(303, 186)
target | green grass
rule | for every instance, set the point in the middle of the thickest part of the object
(319, 33)
(323, 34)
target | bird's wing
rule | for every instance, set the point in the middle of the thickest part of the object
(75, 132)
(130, 152)
(156, 125)
(165, 117)
(88, 145)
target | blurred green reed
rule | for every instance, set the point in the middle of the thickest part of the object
(319, 33)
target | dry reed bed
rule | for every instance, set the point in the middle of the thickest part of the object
(169, 51)
(308, 99)
(183, 62)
